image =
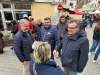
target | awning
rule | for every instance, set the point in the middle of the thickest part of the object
(77, 12)
(96, 12)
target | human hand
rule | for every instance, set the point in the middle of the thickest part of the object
(34, 44)
(55, 53)
(76, 73)
(33, 35)
(24, 63)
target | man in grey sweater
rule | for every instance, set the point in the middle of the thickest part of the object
(62, 29)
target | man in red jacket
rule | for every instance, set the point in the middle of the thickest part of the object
(31, 28)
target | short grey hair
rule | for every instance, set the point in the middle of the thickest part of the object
(75, 21)
(22, 21)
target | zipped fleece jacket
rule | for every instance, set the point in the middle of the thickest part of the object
(62, 29)
(49, 35)
(75, 50)
(22, 46)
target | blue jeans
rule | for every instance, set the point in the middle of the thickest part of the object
(91, 24)
(97, 52)
(94, 45)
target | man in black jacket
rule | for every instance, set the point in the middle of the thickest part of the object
(38, 26)
(75, 48)
(14, 28)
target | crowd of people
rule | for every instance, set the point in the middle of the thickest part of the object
(69, 39)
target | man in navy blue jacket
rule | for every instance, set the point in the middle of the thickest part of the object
(75, 48)
(23, 41)
(49, 33)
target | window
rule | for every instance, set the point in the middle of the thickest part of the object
(19, 14)
(22, 6)
(8, 15)
(6, 5)
(9, 26)
(64, 0)
(1, 23)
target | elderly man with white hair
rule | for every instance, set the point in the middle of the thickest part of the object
(38, 26)
(23, 41)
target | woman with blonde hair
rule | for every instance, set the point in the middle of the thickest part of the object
(42, 64)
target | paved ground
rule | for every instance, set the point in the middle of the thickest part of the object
(10, 65)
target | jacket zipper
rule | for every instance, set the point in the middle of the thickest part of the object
(44, 35)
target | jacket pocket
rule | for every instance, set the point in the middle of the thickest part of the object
(67, 59)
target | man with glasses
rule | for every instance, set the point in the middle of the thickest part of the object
(75, 48)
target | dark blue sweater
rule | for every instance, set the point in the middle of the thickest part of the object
(22, 46)
(49, 68)
(49, 35)
(30, 39)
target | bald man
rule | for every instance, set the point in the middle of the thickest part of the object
(38, 26)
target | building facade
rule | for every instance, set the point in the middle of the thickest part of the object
(14, 10)
(91, 6)
(80, 3)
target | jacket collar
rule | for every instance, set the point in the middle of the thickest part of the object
(23, 33)
(62, 23)
(74, 36)
(50, 63)
(40, 24)
(47, 28)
